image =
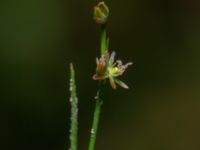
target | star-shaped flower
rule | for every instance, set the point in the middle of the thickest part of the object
(107, 68)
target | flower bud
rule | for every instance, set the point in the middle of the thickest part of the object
(101, 13)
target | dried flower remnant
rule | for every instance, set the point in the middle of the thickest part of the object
(101, 69)
(108, 68)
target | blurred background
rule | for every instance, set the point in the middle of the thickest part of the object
(38, 40)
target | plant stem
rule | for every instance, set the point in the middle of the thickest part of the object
(96, 118)
(104, 40)
(74, 111)
(98, 98)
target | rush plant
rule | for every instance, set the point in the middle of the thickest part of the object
(107, 69)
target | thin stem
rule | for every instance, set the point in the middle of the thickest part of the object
(96, 118)
(74, 111)
(104, 40)
(104, 44)
(98, 98)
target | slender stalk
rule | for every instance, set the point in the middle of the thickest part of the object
(101, 12)
(104, 40)
(74, 111)
(96, 118)
(99, 96)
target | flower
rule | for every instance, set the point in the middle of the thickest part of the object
(101, 13)
(107, 68)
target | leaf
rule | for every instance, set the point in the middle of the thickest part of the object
(74, 111)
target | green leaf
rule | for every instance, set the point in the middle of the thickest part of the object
(74, 111)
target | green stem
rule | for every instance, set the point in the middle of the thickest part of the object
(98, 98)
(104, 40)
(96, 118)
(74, 111)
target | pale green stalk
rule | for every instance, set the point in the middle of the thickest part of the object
(104, 41)
(74, 111)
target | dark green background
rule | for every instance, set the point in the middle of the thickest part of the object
(38, 40)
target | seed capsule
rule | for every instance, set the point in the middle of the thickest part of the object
(101, 13)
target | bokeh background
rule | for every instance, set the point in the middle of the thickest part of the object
(38, 40)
